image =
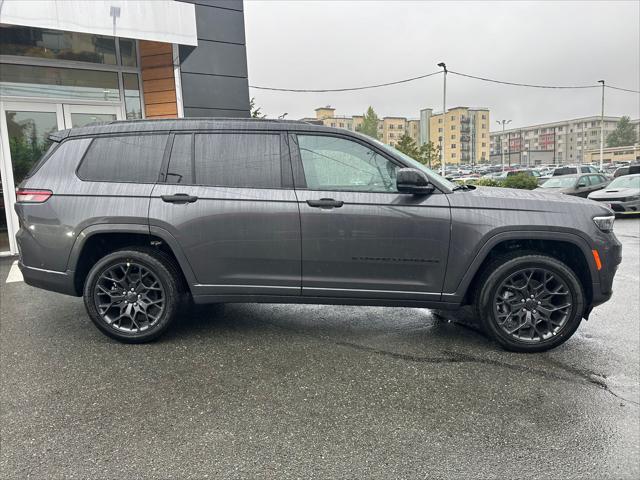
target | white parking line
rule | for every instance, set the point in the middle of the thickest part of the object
(14, 274)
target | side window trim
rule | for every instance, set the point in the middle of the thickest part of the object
(296, 158)
(164, 175)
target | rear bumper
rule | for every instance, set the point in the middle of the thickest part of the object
(61, 282)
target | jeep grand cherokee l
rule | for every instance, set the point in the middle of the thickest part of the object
(134, 216)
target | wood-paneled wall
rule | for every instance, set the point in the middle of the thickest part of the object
(158, 83)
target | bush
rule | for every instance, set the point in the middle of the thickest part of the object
(524, 182)
(486, 182)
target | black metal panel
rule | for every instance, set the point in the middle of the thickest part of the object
(214, 91)
(215, 58)
(214, 74)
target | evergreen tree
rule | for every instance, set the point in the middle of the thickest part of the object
(624, 135)
(370, 124)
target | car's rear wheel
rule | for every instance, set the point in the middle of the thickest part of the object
(529, 303)
(132, 295)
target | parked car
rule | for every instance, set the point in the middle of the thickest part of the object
(622, 195)
(628, 170)
(573, 169)
(513, 173)
(579, 185)
(136, 215)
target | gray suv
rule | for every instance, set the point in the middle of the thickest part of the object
(136, 216)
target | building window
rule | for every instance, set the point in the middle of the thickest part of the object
(453, 154)
(132, 102)
(453, 117)
(453, 127)
(484, 125)
(453, 137)
(484, 117)
(440, 129)
(453, 145)
(484, 145)
(484, 135)
(35, 81)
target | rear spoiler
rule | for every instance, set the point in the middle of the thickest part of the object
(59, 136)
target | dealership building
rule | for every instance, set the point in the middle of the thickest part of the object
(68, 63)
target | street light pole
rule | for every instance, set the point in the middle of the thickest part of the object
(602, 127)
(503, 123)
(444, 120)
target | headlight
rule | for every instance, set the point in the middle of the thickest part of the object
(604, 223)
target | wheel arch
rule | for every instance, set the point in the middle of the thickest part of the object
(569, 248)
(96, 241)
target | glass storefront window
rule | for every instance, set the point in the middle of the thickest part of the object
(56, 44)
(52, 82)
(28, 139)
(132, 102)
(128, 52)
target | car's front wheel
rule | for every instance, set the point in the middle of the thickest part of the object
(530, 302)
(132, 295)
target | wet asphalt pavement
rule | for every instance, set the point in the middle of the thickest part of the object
(278, 391)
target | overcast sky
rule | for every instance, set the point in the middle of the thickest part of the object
(305, 44)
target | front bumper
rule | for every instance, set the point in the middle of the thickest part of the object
(622, 208)
(61, 282)
(611, 256)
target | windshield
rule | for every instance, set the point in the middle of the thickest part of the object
(625, 182)
(559, 182)
(415, 164)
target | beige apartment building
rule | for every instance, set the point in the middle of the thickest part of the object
(464, 132)
(390, 129)
(613, 154)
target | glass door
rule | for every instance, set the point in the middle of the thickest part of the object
(24, 137)
(82, 115)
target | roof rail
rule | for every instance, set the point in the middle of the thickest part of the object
(225, 119)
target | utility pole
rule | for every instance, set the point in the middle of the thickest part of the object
(602, 127)
(503, 123)
(444, 120)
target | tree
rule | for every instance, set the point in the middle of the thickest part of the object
(255, 111)
(429, 155)
(369, 125)
(408, 146)
(624, 134)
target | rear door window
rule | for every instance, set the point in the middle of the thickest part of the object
(125, 159)
(250, 160)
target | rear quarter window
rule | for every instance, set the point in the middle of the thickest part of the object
(124, 159)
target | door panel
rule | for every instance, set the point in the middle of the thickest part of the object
(237, 240)
(360, 237)
(239, 236)
(374, 245)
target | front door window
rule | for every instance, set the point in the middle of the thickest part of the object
(336, 164)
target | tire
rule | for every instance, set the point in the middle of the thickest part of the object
(503, 303)
(137, 316)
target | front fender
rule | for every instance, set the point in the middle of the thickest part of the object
(456, 286)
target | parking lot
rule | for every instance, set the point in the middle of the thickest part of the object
(285, 391)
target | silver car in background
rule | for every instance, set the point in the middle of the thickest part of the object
(622, 195)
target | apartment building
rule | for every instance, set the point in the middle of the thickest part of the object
(560, 142)
(390, 129)
(464, 131)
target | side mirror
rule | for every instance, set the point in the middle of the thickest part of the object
(412, 180)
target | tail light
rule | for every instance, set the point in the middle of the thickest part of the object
(24, 195)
